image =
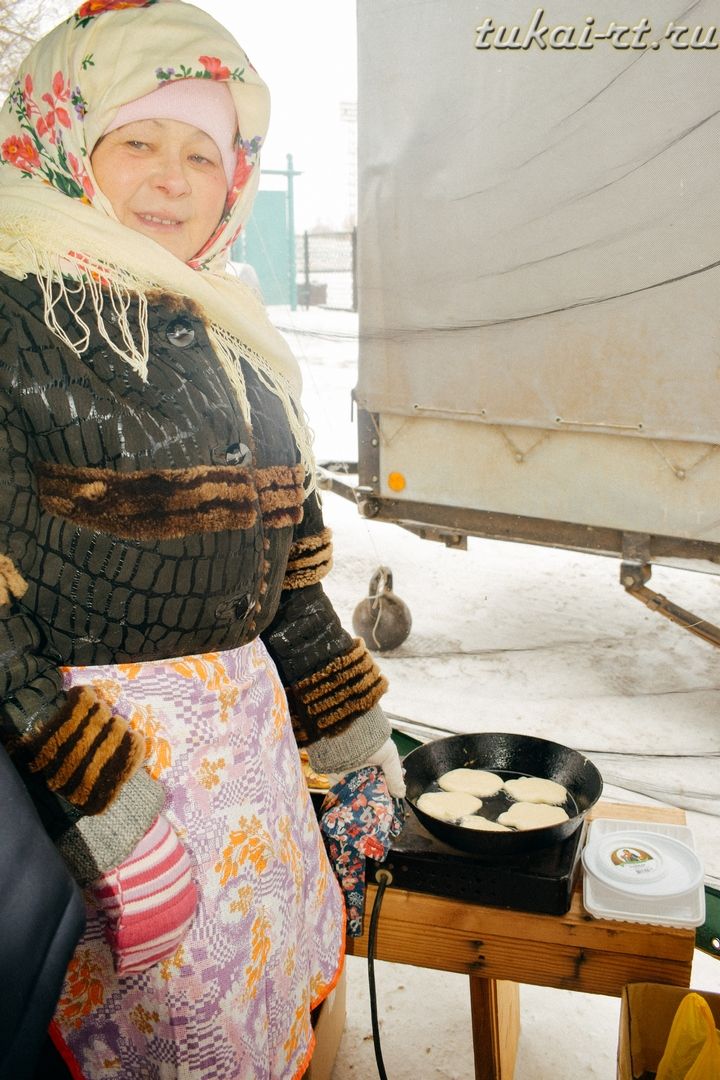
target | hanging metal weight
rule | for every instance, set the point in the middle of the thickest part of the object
(382, 619)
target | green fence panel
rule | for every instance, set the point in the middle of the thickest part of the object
(265, 244)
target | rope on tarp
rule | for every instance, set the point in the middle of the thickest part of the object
(424, 732)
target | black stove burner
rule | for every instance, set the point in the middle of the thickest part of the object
(537, 881)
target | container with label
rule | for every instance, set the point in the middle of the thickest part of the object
(643, 872)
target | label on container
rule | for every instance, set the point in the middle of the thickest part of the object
(634, 862)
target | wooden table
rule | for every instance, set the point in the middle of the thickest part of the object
(494, 945)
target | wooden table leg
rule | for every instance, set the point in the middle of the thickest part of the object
(495, 1008)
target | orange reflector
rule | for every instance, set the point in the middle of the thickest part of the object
(396, 481)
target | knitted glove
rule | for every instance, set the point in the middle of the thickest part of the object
(387, 758)
(365, 742)
(149, 900)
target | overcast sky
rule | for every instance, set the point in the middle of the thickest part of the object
(305, 52)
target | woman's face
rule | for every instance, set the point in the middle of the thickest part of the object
(164, 179)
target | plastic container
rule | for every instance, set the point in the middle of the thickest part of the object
(643, 872)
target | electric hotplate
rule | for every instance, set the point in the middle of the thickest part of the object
(539, 881)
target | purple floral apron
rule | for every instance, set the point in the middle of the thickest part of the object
(266, 944)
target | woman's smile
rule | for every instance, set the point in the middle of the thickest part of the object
(159, 220)
(160, 223)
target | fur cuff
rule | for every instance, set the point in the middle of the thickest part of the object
(336, 695)
(281, 494)
(85, 753)
(309, 561)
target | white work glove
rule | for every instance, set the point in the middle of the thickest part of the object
(387, 758)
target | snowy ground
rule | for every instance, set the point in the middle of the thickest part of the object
(516, 638)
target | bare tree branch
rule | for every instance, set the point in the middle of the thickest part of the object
(22, 22)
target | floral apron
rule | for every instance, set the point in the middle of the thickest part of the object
(266, 943)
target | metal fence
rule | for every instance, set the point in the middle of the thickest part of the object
(326, 264)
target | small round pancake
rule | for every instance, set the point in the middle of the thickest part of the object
(448, 805)
(474, 781)
(533, 789)
(530, 815)
(483, 824)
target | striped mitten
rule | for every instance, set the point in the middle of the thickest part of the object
(149, 900)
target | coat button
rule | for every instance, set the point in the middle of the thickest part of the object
(235, 607)
(180, 333)
(242, 607)
(238, 454)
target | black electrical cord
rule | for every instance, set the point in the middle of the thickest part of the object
(383, 879)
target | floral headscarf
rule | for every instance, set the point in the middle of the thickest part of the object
(56, 223)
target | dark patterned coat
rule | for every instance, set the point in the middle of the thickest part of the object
(142, 521)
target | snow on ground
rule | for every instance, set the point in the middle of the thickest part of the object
(510, 637)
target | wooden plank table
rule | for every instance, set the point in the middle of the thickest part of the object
(498, 949)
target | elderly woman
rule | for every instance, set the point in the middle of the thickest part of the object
(161, 553)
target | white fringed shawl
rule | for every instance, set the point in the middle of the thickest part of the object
(57, 225)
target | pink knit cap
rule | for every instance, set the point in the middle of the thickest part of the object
(204, 103)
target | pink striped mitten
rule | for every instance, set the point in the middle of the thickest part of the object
(149, 900)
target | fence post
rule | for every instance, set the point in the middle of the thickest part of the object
(306, 262)
(353, 243)
(291, 233)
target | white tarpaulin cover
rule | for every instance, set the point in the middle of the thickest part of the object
(540, 249)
